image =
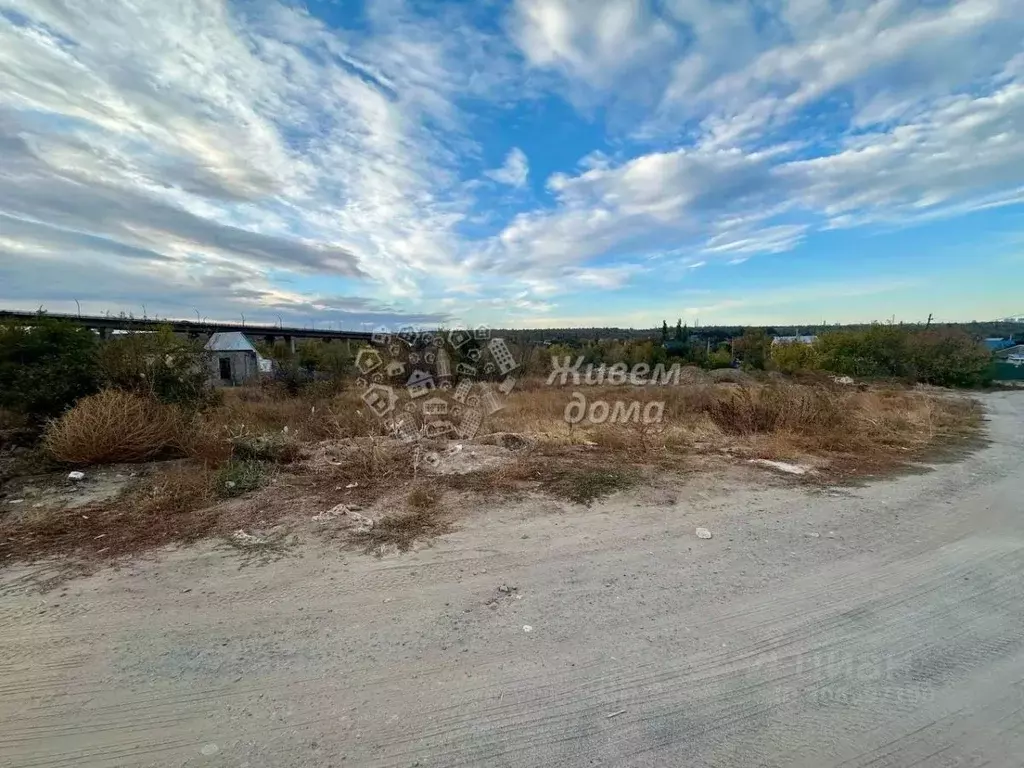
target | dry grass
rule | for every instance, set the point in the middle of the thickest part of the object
(423, 497)
(341, 416)
(179, 503)
(111, 427)
(424, 519)
(774, 419)
(171, 506)
(339, 448)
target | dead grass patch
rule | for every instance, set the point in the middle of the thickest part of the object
(339, 450)
(424, 518)
(423, 497)
(584, 486)
(178, 503)
(170, 506)
(111, 427)
(854, 429)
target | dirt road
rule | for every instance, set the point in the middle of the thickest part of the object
(873, 626)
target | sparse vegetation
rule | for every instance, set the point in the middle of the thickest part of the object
(401, 530)
(584, 486)
(143, 397)
(424, 497)
(237, 478)
(280, 447)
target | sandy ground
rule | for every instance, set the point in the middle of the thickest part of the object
(880, 625)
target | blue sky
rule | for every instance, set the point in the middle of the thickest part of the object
(531, 163)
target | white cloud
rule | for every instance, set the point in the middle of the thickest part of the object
(514, 171)
(880, 58)
(596, 45)
(240, 147)
(915, 113)
(251, 135)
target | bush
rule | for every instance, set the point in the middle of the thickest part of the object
(45, 367)
(881, 350)
(266, 446)
(719, 358)
(113, 426)
(161, 365)
(240, 477)
(945, 357)
(315, 368)
(950, 358)
(753, 347)
(790, 358)
(753, 410)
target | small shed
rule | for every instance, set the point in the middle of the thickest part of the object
(234, 359)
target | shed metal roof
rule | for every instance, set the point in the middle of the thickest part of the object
(230, 341)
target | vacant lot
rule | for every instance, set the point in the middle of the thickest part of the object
(261, 465)
(822, 625)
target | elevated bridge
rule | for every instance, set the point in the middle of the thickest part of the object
(103, 325)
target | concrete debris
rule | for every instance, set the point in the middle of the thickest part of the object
(782, 466)
(527, 628)
(703, 533)
(505, 589)
(363, 522)
(247, 539)
(76, 476)
(844, 380)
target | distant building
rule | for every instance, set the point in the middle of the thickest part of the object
(996, 344)
(793, 340)
(1016, 351)
(234, 359)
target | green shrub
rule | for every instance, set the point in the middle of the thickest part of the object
(881, 350)
(790, 358)
(753, 348)
(944, 357)
(239, 477)
(46, 366)
(720, 358)
(950, 358)
(160, 364)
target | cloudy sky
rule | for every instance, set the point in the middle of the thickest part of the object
(519, 163)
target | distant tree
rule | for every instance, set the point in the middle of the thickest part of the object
(45, 366)
(793, 357)
(753, 347)
(159, 364)
(679, 330)
(664, 331)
